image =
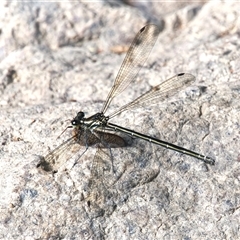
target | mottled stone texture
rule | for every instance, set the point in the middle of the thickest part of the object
(60, 58)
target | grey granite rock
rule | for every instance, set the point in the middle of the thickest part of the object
(60, 58)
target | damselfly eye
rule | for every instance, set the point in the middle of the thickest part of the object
(74, 123)
(80, 115)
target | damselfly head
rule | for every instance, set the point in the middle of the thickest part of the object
(77, 120)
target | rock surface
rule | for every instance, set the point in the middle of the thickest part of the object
(61, 58)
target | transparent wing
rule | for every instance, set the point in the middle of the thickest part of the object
(82, 138)
(56, 158)
(134, 60)
(160, 92)
(116, 171)
(99, 192)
